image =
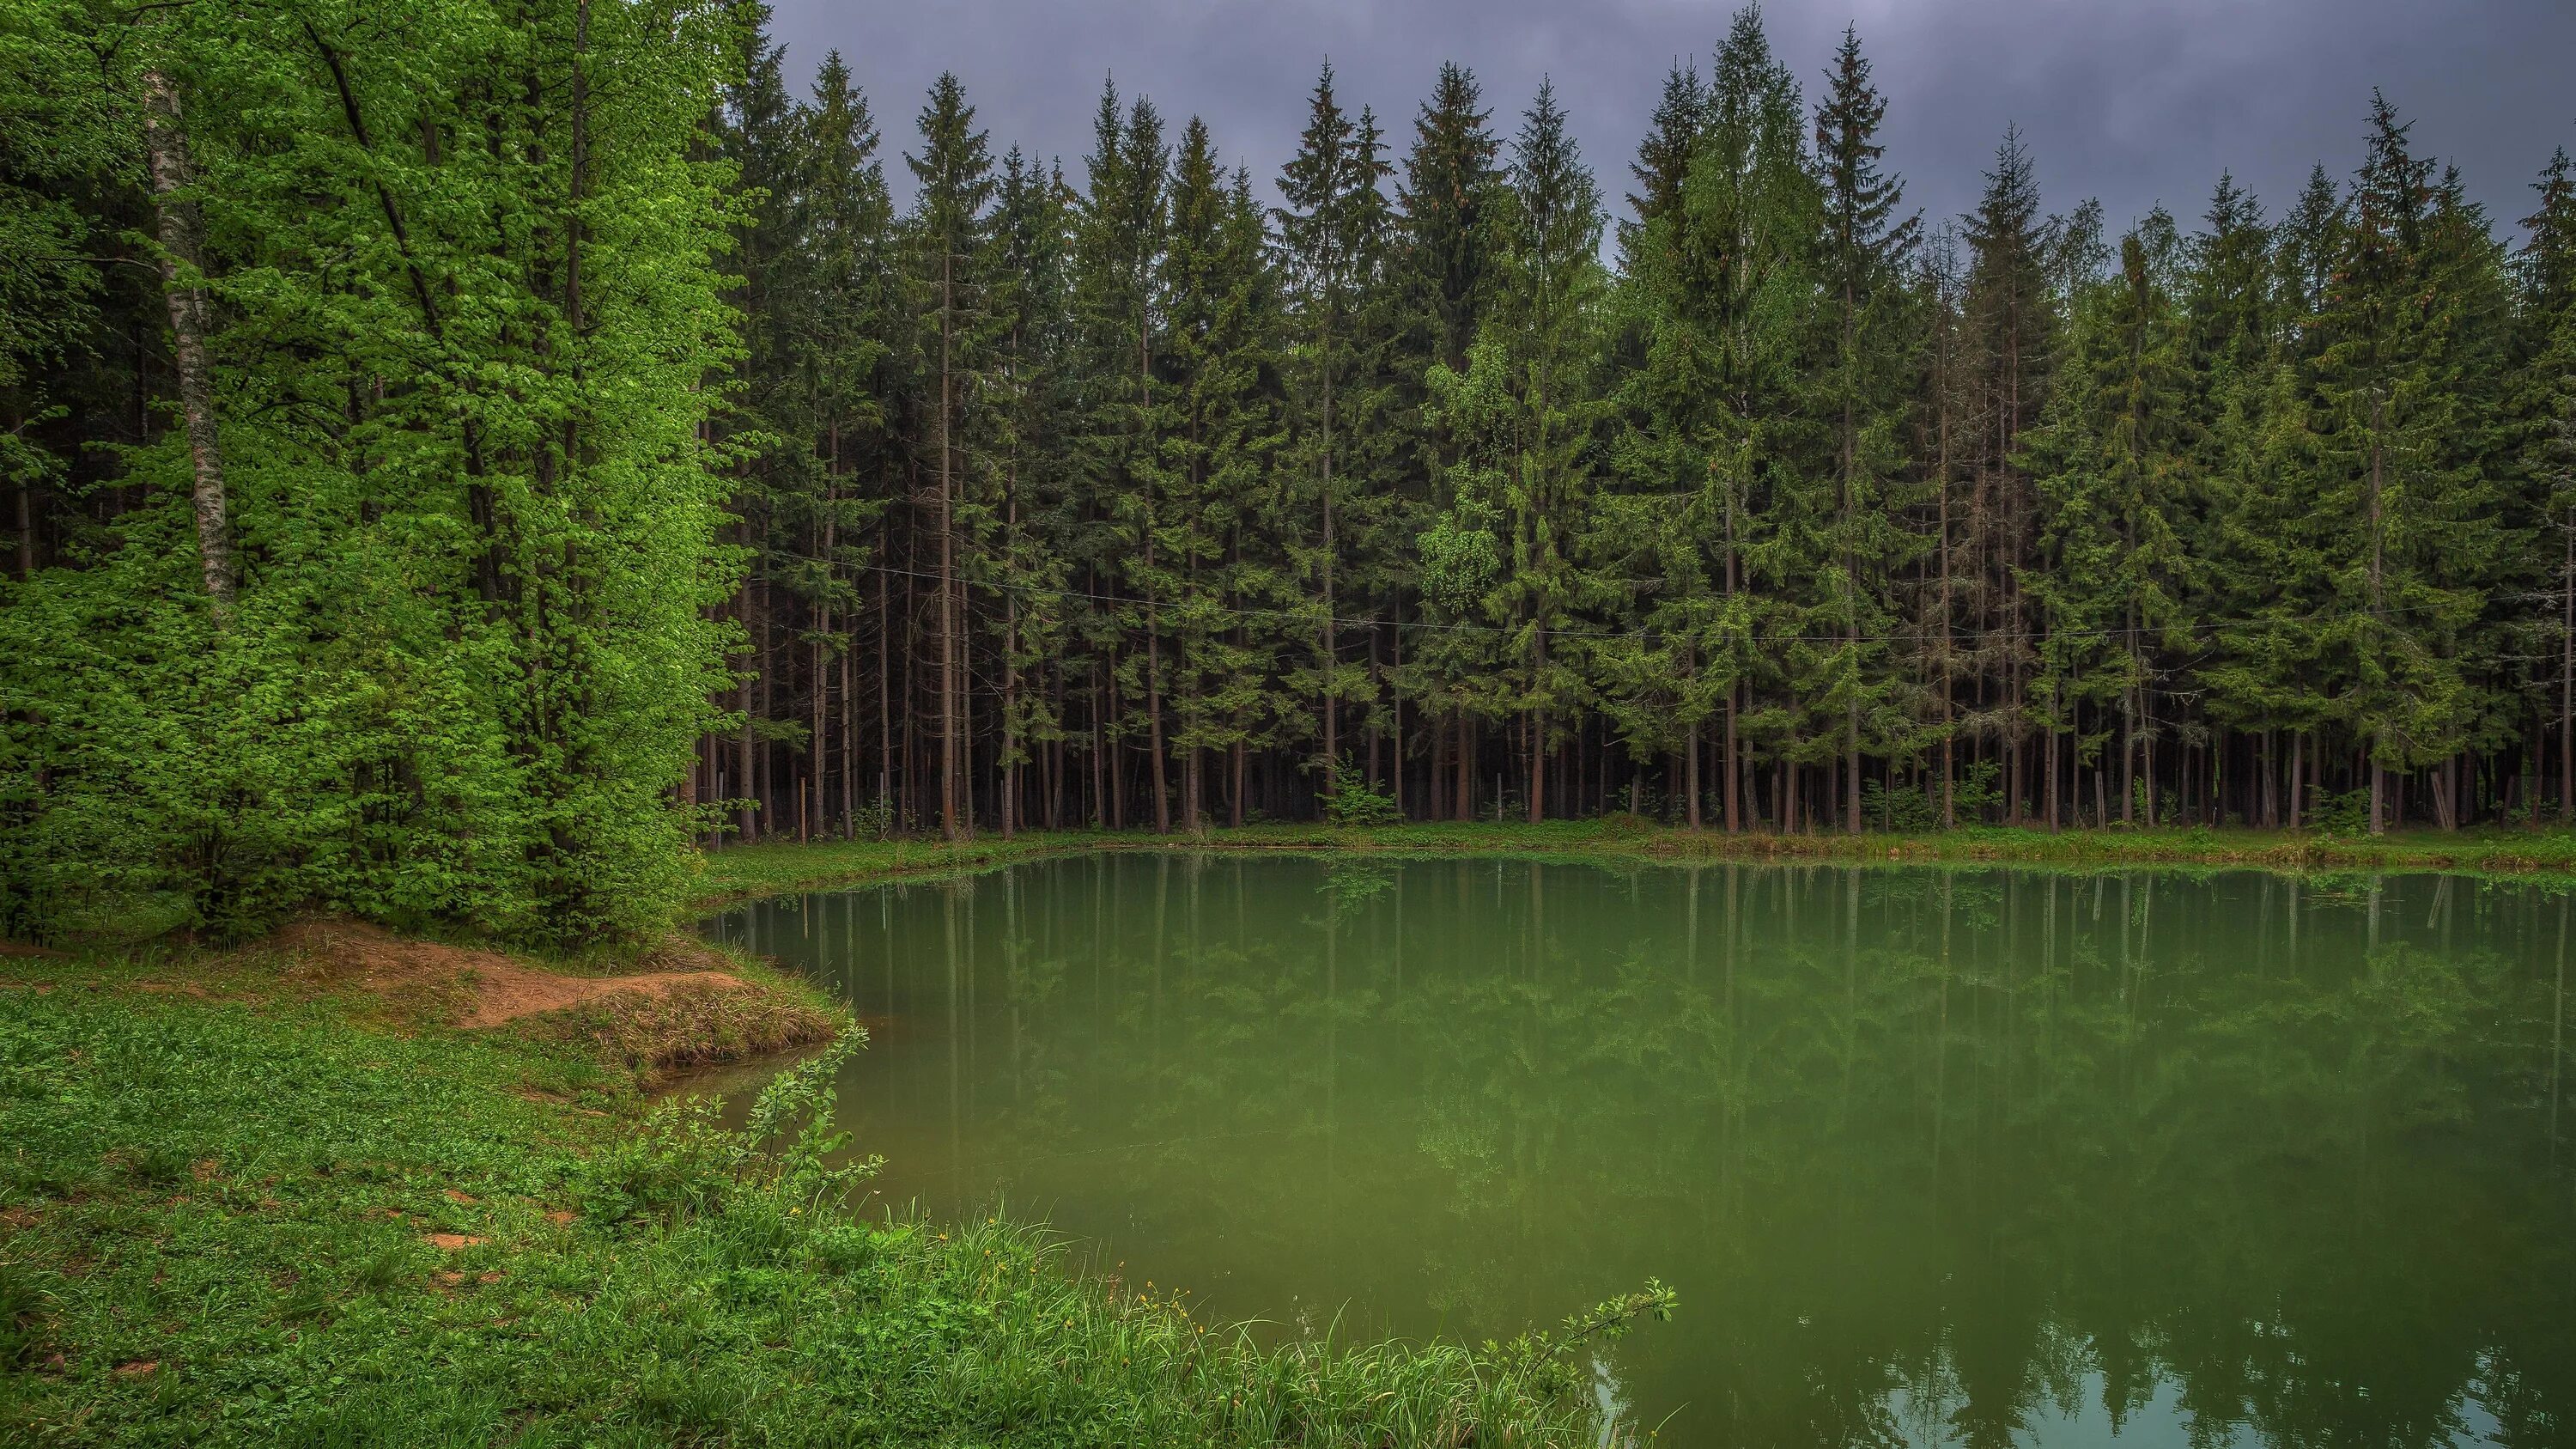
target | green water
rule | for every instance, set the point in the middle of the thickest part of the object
(1977, 1158)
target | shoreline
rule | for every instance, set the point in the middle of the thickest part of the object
(735, 874)
(236, 1177)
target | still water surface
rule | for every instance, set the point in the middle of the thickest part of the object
(1933, 1157)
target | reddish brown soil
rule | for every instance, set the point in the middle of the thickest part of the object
(481, 988)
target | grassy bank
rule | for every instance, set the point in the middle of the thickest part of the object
(740, 872)
(239, 1208)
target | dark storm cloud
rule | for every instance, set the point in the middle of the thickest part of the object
(2133, 101)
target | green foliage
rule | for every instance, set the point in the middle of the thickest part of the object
(1906, 810)
(685, 1162)
(470, 494)
(1353, 800)
(712, 1288)
(2345, 813)
(596, 450)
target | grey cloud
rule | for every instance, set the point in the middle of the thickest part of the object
(2133, 101)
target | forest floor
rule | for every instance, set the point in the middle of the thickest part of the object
(342, 1188)
(742, 872)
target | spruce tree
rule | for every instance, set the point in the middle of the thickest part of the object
(1448, 198)
(1662, 167)
(949, 273)
(1036, 394)
(1332, 235)
(1117, 266)
(1861, 264)
(1547, 327)
(2114, 470)
(844, 350)
(2399, 408)
(1217, 299)
(2545, 412)
(2010, 333)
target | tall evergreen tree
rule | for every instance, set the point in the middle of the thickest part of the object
(950, 235)
(2113, 467)
(2399, 424)
(1118, 269)
(1547, 328)
(2010, 335)
(1332, 236)
(1218, 305)
(1862, 265)
(1037, 399)
(1662, 167)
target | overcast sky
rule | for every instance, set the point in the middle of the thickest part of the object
(2133, 101)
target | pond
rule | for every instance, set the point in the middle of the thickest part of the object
(1933, 1157)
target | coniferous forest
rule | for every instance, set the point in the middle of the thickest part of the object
(457, 456)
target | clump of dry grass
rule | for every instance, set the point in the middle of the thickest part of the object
(693, 1024)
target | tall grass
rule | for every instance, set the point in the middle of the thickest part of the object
(279, 1225)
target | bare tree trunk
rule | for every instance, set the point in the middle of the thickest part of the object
(1395, 643)
(2567, 677)
(1538, 738)
(1466, 802)
(949, 824)
(1155, 776)
(165, 141)
(885, 698)
(746, 827)
(1690, 774)
(2298, 751)
(26, 528)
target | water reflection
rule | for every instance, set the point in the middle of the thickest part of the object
(1934, 1157)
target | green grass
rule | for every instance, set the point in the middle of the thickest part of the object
(216, 1221)
(740, 872)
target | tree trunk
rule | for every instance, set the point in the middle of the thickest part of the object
(1690, 774)
(165, 141)
(2567, 676)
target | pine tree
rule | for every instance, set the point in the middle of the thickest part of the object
(1547, 325)
(1862, 264)
(1037, 406)
(2236, 324)
(1722, 295)
(2399, 411)
(845, 349)
(1218, 306)
(2113, 467)
(2011, 329)
(950, 231)
(763, 136)
(1332, 233)
(1754, 210)
(1662, 167)
(2545, 412)
(1118, 262)
(1448, 197)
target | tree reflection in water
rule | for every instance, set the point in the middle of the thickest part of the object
(1934, 1157)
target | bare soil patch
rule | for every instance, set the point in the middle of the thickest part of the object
(481, 988)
